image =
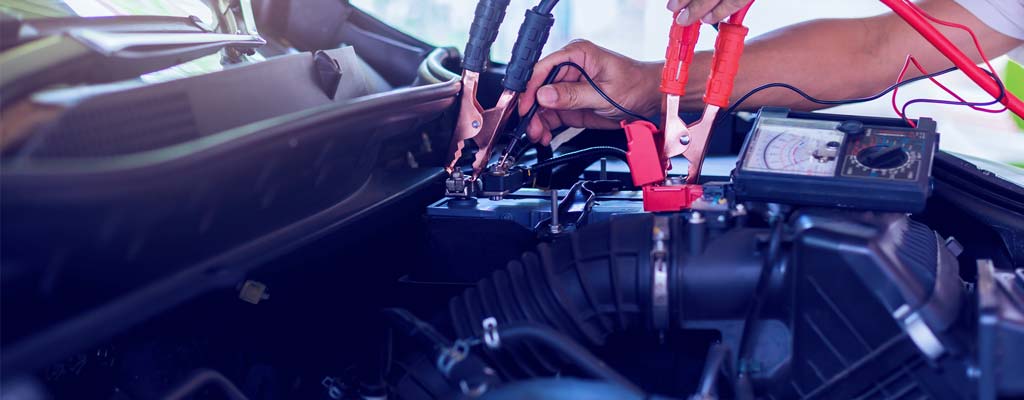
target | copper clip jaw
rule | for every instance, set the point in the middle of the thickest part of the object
(494, 122)
(470, 118)
(475, 123)
(676, 132)
(697, 143)
(689, 141)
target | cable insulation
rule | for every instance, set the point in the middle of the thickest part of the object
(736, 105)
(947, 48)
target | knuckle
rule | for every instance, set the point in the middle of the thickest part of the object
(579, 44)
(572, 96)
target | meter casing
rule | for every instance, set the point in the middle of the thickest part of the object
(868, 192)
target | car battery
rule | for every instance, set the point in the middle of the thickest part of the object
(469, 238)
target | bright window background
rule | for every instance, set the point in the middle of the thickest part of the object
(639, 29)
(99, 8)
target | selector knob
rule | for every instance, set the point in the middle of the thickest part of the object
(882, 157)
(851, 127)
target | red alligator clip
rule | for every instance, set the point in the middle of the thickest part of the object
(677, 138)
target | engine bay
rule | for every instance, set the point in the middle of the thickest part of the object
(348, 239)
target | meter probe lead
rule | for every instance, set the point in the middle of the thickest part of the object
(917, 19)
(520, 133)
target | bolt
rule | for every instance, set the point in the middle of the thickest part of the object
(556, 228)
(476, 124)
(685, 140)
(721, 218)
(696, 218)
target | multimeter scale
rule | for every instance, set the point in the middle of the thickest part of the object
(837, 161)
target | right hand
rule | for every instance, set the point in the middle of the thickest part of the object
(571, 101)
(707, 11)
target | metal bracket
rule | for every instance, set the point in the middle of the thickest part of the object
(661, 237)
(919, 332)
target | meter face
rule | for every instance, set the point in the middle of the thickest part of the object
(794, 147)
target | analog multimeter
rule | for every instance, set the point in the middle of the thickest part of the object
(837, 161)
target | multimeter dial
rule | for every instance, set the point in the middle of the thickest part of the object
(885, 155)
(807, 149)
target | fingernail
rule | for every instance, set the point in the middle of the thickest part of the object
(708, 19)
(547, 96)
(673, 5)
(683, 17)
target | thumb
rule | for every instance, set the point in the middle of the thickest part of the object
(568, 96)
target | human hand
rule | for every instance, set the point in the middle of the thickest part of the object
(707, 11)
(571, 101)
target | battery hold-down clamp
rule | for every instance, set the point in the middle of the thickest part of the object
(649, 165)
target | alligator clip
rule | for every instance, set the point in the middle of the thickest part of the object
(470, 122)
(485, 126)
(692, 141)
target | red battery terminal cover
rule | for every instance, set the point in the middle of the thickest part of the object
(644, 155)
(647, 170)
(671, 198)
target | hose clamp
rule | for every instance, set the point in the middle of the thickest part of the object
(661, 237)
(491, 338)
(472, 391)
(451, 356)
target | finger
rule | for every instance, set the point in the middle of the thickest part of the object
(724, 10)
(551, 119)
(697, 9)
(683, 16)
(569, 96)
(676, 5)
(573, 52)
(546, 140)
(536, 130)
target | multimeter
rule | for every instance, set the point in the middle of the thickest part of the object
(836, 161)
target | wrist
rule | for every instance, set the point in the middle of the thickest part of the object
(650, 102)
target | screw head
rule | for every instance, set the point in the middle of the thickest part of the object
(476, 124)
(685, 140)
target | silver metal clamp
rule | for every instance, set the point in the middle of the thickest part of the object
(491, 338)
(661, 236)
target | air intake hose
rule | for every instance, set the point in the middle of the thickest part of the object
(642, 271)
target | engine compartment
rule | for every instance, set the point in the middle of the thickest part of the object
(335, 263)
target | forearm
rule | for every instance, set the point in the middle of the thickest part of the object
(823, 57)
